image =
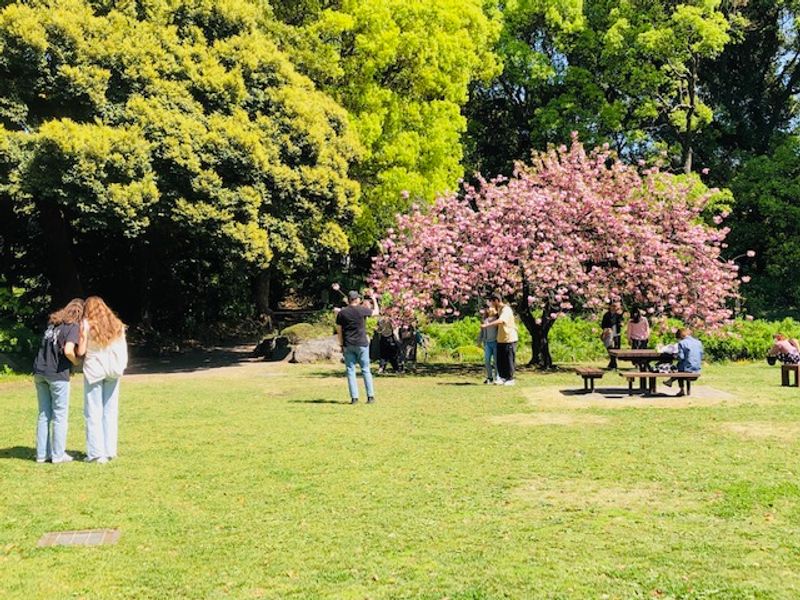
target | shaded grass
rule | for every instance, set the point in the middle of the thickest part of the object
(256, 483)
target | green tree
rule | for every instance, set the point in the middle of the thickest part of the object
(623, 72)
(766, 218)
(166, 153)
(402, 68)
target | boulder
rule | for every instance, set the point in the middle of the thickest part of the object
(274, 348)
(317, 350)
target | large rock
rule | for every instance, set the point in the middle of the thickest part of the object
(318, 350)
(274, 348)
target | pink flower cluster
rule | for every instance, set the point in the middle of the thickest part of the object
(572, 230)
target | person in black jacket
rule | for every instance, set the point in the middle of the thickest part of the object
(612, 330)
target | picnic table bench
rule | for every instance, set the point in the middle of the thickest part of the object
(589, 375)
(786, 370)
(652, 377)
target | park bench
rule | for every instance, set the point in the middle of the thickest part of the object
(589, 374)
(786, 370)
(652, 377)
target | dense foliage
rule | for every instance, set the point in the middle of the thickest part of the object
(166, 154)
(198, 161)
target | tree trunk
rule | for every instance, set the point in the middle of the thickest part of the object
(540, 333)
(689, 134)
(59, 264)
(263, 288)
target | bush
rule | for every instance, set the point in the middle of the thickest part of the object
(301, 332)
(577, 339)
(15, 337)
(468, 354)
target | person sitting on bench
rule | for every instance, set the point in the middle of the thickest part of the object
(690, 356)
(784, 350)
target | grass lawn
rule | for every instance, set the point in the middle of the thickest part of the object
(257, 482)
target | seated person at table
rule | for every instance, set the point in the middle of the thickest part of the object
(638, 330)
(785, 350)
(690, 355)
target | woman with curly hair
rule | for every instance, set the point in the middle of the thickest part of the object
(103, 341)
(51, 373)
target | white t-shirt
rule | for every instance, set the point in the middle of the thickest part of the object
(107, 362)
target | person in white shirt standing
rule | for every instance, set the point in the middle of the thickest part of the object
(507, 338)
(106, 357)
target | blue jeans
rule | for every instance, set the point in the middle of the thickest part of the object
(490, 359)
(360, 355)
(53, 397)
(101, 409)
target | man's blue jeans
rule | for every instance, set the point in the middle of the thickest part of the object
(53, 397)
(490, 360)
(360, 355)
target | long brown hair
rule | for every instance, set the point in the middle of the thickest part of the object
(70, 314)
(104, 325)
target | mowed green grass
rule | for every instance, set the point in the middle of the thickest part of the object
(256, 483)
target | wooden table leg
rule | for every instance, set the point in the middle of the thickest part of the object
(630, 386)
(784, 377)
(653, 385)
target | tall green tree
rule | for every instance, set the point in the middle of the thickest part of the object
(623, 72)
(166, 154)
(402, 68)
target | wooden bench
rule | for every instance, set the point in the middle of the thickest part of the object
(786, 370)
(652, 377)
(589, 374)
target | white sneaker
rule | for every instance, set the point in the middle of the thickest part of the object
(100, 461)
(499, 381)
(64, 459)
(510, 382)
(42, 460)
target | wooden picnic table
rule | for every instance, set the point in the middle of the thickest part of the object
(640, 358)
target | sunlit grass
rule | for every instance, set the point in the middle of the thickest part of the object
(257, 482)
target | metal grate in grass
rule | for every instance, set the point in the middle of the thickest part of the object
(86, 537)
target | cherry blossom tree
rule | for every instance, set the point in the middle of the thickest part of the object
(572, 231)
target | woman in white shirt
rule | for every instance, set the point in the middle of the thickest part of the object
(105, 358)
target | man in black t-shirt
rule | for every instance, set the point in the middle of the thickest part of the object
(612, 322)
(351, 327)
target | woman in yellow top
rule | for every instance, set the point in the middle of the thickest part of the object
(507, 338)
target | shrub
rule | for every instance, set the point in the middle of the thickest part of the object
(468, 353)
(301, 332)
(577, 339)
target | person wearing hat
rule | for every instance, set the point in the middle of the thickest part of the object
(351, 327)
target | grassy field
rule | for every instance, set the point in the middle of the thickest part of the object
(258, 482)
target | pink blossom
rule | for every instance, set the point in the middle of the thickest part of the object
(578, 228)
(748, 317)
(746, 279)
(705, 171)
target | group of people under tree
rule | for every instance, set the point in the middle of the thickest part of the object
(88, 332)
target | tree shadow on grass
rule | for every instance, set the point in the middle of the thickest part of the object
(473, 370)
(190, 361)
(27, 453)
(319, 401)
